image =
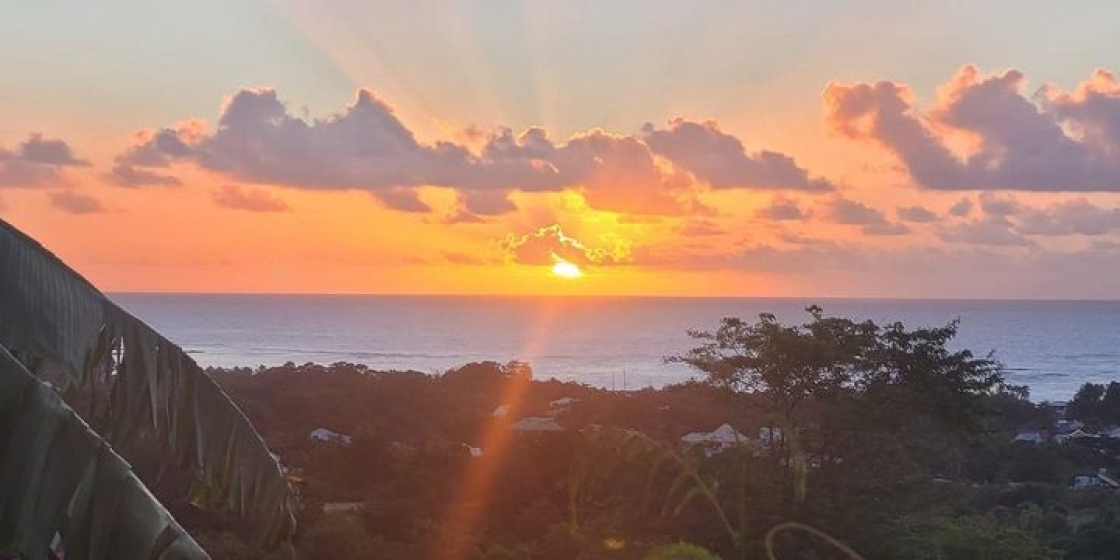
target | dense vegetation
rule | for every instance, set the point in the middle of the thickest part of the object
(892, 446)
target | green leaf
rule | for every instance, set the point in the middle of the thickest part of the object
(136, 386)
(60, 478)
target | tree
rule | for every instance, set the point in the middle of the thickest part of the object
(1086, 403)
(788, 364)
(126, 390)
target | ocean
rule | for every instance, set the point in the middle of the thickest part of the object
(616, 342)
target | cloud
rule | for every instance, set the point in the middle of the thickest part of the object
(1072, 217)
(1058, 142)
(840, 210)
(126, 175)
(37, 149)
(36, 162)
(75, 203)
(700, 228)
(548, 244)
(781, 209)
(992, 231)
(251, 200)
(365, 146)
(961, 208)
(917, 214)
(721, 160)
(993, 205)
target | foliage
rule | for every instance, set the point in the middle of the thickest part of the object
(133, 387)
(680, 551)
(940, 537)
(59, 477)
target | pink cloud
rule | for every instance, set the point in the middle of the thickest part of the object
(1021, 143)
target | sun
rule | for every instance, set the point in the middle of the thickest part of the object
(566, 269)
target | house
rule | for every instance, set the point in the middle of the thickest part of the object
(475, 452)
(1030, 436)
(327, 436)
(1081, 482)
(1066, 426)
(536, 424)
(1107, 479)
(1102, 480)
(770, 435)
(1075, 436)
(563, 402)
(715, 441)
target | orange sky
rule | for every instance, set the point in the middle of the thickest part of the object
(469, 151)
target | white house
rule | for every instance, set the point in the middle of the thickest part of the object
(327, 436)
(1029, 436)
(719, 439)
(1076, 435)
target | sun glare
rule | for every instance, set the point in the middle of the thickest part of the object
(566, 269)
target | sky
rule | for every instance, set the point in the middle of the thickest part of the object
(709, 148)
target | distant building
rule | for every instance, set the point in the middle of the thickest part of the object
(1107, 479)
(1030, 436)
(1076, 435)
(536, 424)
(327, 436)
(501, 411)
(715, 441)
(1102, 480)
(769, 435)
(475, 452)
(563, 402)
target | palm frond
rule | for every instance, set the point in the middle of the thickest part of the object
(136, 385)
(62, 481)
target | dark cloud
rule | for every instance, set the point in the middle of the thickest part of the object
(840, 210)
(251, 200)
(1072, 217)
(917, 214)
(993, 205)
(1021, 143)
(37, 162)
(127, 175)
(366, 146)
(961, 208)
(45, 151)
(992, 231)
(722, 161)
(781, 209)
(75, 202)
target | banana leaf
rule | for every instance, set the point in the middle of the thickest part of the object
(64, 486)
(134, 387)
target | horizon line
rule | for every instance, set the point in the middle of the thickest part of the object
(605, 296)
